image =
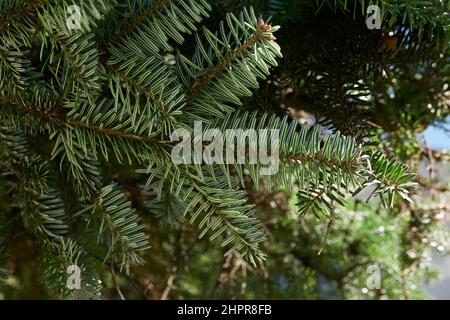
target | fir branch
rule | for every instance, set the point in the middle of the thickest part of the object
(199, 84)
(59, 121)
(118, 224)
(351, 165)
(112, 132)
(151, 95)
(155, 6)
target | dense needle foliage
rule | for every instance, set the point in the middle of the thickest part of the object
(87, 179)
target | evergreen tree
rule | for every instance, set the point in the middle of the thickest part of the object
(91, 92)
